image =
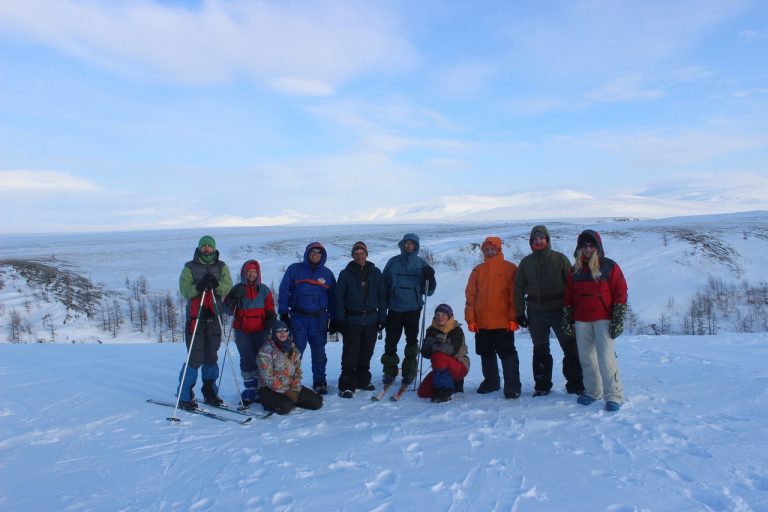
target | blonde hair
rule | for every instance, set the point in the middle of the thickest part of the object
(593, 263)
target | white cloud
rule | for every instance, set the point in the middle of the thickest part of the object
(301, 47)
(43, 181)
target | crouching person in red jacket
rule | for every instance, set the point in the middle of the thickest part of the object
(279, 363)
(444, 346)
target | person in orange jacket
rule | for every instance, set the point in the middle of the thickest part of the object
(490, 314)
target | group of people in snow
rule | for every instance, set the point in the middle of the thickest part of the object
(583, 302)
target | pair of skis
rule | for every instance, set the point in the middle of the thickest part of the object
(245, 416)
(396, 397)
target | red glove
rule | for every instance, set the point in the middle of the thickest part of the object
(472, 327)
(513, 326)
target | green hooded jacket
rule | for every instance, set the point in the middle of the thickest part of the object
(540, 279)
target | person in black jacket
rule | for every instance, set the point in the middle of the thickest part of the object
(360, 312)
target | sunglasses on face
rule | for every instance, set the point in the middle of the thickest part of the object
(315, 251)
(588, 246)
(282, 330)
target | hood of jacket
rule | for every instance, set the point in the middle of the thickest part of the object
(413, 238)
(495, 241)
(323, 256)
(243, 273)
(589, 235)
(542, 229)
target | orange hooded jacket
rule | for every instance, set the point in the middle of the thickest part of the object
(490, 291)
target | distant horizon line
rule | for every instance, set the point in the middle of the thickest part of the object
(451, 221)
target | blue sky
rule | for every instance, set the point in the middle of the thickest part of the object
(141, 114)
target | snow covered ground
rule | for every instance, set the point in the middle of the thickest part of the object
(76, 433)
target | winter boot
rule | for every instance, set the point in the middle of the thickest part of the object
(347, 382)
(210, 395)
(389, 362)
(250, 393)
(441, 395)
(542, 368)
(321, 388)
(458, 386)
(612, 406)
(210, 391)
(347, 393)
(510, 366)
(410, 363)
(490, 375)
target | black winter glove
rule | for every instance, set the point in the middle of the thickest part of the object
(334, 326)
(285, 317)
(568, 328)
(446, 348)
(522, 321)
(237, 292)
(269, 320)
(428, 272)
(426, 347)
(209, 282)
(617, 320)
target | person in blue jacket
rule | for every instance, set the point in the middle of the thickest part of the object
(306, 304)
(407, 278)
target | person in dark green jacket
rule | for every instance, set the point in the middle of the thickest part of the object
(203, 282)
(539, 291)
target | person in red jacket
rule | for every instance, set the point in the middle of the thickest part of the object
(251, 303)
(595, 304)
(490, 314)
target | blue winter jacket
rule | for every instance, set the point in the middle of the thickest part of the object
(308, 289)
(404, 279)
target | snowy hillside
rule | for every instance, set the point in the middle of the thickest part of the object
(666, 263)
(76, 432)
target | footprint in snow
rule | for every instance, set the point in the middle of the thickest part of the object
(414, 454)
(383, 485)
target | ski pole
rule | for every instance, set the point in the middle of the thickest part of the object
(226, 352)
(186, 363)
(423, 331)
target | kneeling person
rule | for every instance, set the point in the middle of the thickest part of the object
(444, 346)
(279, 363)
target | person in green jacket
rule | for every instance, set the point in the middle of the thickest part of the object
(203, 282)
(539, 291)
